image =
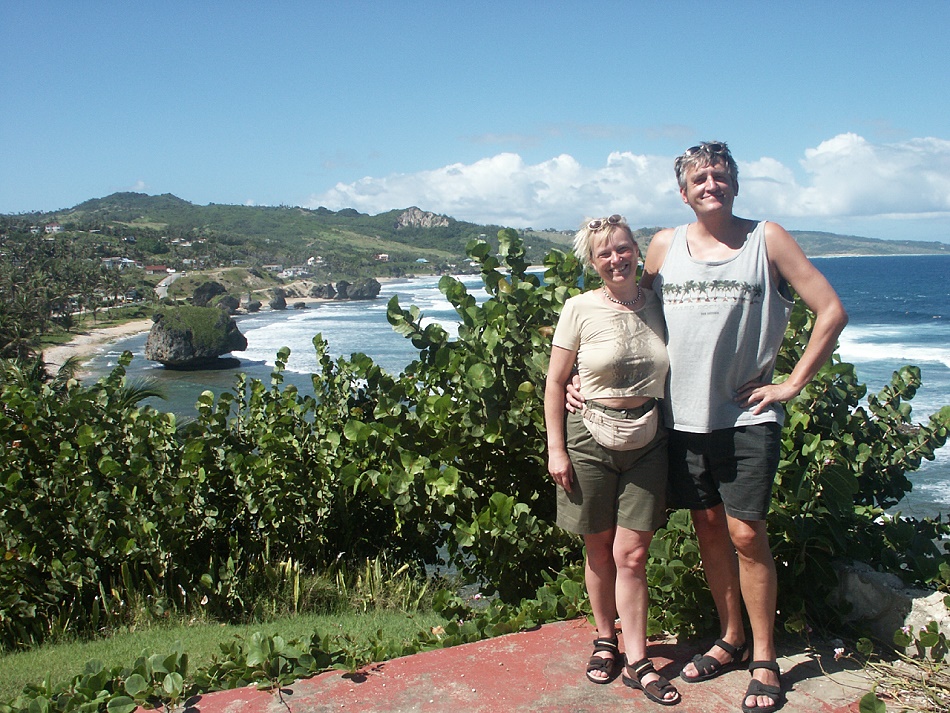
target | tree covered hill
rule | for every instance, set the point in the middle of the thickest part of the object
(818, 244)
(347, 242)
(168, 230)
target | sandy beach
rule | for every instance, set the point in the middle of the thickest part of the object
(85, 344)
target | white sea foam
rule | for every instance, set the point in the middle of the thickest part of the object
(888, 342)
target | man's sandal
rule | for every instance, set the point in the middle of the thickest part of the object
(654, 690)
(708, 667)
(757, 688)
(609, 666)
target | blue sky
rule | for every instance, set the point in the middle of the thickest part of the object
(517, 113)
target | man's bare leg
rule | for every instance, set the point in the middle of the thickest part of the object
(721, 567)
(759, 590)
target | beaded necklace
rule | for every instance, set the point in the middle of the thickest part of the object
(625, 303)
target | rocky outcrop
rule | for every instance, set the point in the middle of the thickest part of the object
(205, 292)
(366, 289)
(415, 218)
(280, 299)
(229, 303)
(193, 338)
(249, 305)
(326, 291)
(882, 604)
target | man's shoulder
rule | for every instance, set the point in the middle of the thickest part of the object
(777, 239)
(660, 242)
(663, 235)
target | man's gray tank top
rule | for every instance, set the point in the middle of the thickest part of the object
(725, 321)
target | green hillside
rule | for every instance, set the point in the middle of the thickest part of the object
(342, 243)
(814, 243)
(817, 244)
(166, 230)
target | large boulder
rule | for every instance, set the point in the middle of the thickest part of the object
(205, 292)
(323, 291)
(366, 289)
(249, 304)
(229, 303)
(193, 338)
(280, 299)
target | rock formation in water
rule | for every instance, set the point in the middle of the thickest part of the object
(205, 292)
(193, 338)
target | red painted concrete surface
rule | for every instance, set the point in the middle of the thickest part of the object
(540, 670)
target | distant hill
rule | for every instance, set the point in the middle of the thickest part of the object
(173, 231)
(818, 244)
(814, 243)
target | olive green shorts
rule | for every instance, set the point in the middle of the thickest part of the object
(613, 488)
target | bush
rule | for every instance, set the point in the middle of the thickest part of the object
(440, 466)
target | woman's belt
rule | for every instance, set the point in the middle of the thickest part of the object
(635, 412)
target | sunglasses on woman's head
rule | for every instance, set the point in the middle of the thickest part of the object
(602, 222)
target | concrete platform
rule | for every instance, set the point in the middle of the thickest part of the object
(541, 670)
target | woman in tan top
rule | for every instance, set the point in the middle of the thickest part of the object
(610, 460)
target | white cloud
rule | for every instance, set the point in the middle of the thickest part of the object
(503, 189)
(849, 177)
(845, 177)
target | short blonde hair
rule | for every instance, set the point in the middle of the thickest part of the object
(598, 227)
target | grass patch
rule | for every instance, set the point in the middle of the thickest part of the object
(372, 600)
(200, 640)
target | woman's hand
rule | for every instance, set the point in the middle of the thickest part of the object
(560, 468)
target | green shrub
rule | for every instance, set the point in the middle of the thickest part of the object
(103, 502)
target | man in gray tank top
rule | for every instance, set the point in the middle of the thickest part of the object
(724, 284)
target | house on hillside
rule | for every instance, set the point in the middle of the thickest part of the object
(296, 271)
(156, 269)
(118, 263)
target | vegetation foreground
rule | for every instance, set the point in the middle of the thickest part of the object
(109, 509)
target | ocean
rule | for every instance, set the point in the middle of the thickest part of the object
(899, 308)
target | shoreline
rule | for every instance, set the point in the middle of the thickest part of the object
(86, 343)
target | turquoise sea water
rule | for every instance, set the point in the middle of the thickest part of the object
(899, 311)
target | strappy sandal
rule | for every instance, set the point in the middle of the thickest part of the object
(757, 688)
(654, 690)
(609, 666)
(708, 667)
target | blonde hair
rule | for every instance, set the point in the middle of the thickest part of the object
(584, 239)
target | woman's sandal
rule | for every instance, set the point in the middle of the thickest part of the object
(757, 688)
(654, 690)
(609, 666)
(708, 667)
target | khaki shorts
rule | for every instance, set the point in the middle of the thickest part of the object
(613, 488)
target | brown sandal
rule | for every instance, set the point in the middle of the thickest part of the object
(609, 666)
(757, 688)
(708, 667)
(654, 690)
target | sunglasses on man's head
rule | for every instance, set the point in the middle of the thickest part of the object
(711, 147)
(602, 222)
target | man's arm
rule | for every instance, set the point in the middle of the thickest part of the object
(787, 261)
